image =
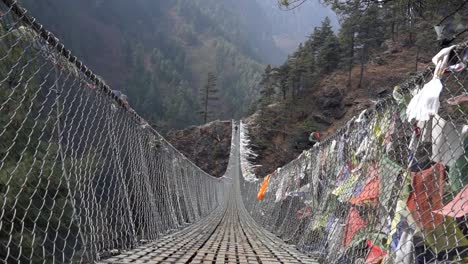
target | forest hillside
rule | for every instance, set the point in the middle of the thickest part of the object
(334, 75)
(160, 53)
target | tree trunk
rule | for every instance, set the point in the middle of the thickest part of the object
(396, 32)
(206, 104)
(351, 60)
(363, 61)
(393, 25)
(293, 92)
(411, 23)
(411, 34)
(417, 58)
(361, 75)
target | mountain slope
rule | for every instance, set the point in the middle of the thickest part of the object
(160, 52)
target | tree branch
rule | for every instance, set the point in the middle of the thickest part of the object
(446, 43)
(453, 13)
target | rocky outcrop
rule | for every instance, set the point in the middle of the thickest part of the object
(330, 102)
(208, 146)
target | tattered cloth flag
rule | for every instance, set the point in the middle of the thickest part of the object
(370, 193)
(428, 190)
(425, 102)
(458, 207)
(353, 224)
(263, 188)
(376, 254)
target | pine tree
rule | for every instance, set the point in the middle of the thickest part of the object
(293, 76)
(209, 96)
(369, 36)
(350, 15)
(308, 64)
(320, 34)
(329, 54)
(325, 47)
(267, 91)
(283, 83)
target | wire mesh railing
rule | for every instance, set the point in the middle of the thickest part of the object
(82, 176)
(390, 187)
(246, 154)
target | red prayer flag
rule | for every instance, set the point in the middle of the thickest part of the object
(369, 193)
(353, 224)
(376, 254)
(427, 196)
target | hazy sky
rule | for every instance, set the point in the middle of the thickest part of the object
(292, 27)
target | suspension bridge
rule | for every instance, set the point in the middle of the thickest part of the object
(85, 179)
(228, 235)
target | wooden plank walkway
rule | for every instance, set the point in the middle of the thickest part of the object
(226, 236)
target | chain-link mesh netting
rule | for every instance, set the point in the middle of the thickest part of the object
(246, 154)
(382, 188)
(82, 176)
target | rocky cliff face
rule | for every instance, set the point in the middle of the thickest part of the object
(208, 145)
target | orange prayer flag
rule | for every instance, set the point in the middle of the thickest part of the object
(261, 192)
